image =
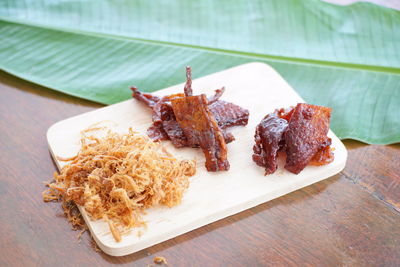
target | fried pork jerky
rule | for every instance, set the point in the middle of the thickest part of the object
(200, 128)
(307, 130)
(301, 132)
(268, 138)
(166, 126)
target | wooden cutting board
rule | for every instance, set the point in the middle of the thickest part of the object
(211, 196)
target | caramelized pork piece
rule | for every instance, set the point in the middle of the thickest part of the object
(178, 139)
(218, 94)
(200, 128)
(307, 130)
(269, 136)
(284, 113)
(301, 132)
(162, 110)
(148, 99)
(195, 121)
(227, 136)
(156, 132)
(188, 85)
(324, 154)
(165, 127)
(228, 114)
(175, 133)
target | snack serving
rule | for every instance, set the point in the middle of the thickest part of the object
(118, 176)
(195, 121)
(300, 132)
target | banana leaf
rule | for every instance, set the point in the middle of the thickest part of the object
(345, 57)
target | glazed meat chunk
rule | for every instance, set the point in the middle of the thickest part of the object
(194, 121)
(200, 128)
(300, 132)
(268, 137)
(307, 131)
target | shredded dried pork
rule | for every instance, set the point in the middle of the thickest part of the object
(117, 176)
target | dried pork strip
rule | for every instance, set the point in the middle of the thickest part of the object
(200, 127)
(324, 154)
(268, 137)
(148, 99)
(218, 94)
(175, 133)
(228, 114)
(165, 127)
(284, 113)
(162, 110)
(307, 130)
(301, 132)
(157, 133)
(188, 85)
(227, 136)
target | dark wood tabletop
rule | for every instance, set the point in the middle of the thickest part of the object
(350, 219)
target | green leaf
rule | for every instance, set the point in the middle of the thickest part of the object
(343, 57)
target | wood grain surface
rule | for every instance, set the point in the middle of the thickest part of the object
(350, 219)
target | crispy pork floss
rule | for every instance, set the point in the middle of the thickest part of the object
(195, 121)
(300, 132)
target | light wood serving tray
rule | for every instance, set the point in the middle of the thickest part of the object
(211, 196)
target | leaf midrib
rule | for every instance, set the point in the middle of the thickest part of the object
(255, 56)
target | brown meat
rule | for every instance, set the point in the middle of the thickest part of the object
(324, 154)
(216, 96)
(268, 137)
(195, 121)
(227, 136)
(165, 126)
(148, 99)
(188, 85)
(156, 132)
(162, 110)
(307, 130)
(285, 113)
(200, 127)
(228, 114)
(170, 130)
(175, 133)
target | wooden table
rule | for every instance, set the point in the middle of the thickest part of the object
(350, 219)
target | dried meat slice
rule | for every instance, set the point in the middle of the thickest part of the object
(324, 154)
(218, 94)
(268, 137)
(178, 139)
(162, 110)
(188, 85)
(307, 130)
(285, 113)
(200, 127)
(165, 127)
(175, 133)
(148, 99)
(227, 136)
(228, 114)
(157, 133)
(170, 130)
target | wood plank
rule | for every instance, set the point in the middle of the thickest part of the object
(380, 177)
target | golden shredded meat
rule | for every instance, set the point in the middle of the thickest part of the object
(117, 176)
